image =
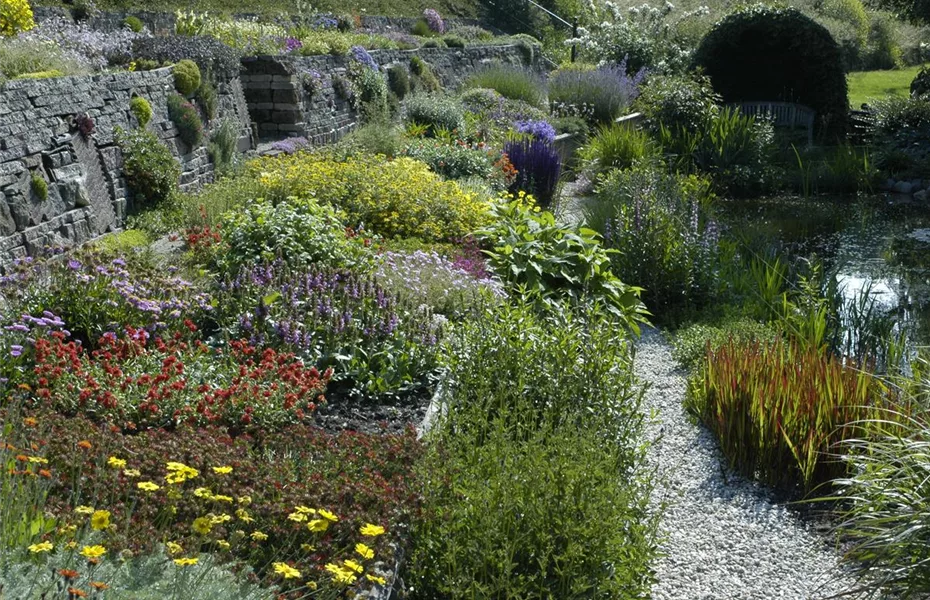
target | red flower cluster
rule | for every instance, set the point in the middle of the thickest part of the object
(136, 382)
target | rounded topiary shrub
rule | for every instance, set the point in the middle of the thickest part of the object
(779, 54)
(134, 23)
(141, 110)
(186, 77)
(398, 80)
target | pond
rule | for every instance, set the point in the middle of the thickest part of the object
(882, 242)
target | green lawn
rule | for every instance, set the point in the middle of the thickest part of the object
(452, 8)
(879, 84)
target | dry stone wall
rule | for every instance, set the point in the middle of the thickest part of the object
(87, 195)
(281, 101)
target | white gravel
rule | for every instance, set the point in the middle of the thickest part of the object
(722, 536)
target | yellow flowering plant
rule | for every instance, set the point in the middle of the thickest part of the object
(392, 198)
(15, 16)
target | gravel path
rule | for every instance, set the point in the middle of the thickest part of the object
(723, 538)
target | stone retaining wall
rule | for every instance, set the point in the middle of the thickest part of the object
(280, 104)
(87, 195)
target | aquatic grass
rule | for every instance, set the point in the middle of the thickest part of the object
(777, 408)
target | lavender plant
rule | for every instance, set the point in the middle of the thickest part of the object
(376, 343)
(601, 94)
(431, 280)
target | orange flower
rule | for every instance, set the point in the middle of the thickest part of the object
(76, 593)
(99, 585)
(22, 458)
(45, 473)
(30, 421)
(85, 445)
(68, 573)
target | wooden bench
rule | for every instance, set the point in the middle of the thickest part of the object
(782, 114)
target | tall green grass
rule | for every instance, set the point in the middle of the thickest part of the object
(511, 82)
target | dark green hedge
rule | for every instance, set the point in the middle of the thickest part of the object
(766, 53)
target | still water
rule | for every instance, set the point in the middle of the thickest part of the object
(879, 241)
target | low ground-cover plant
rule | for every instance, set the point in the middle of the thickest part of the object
(390, 198)
(438, 282)
(134, 383)
(521, 487)
(690, 344)
(92, 294)
(336, 319)
(547, 263)
(301, 498)
(777, 408)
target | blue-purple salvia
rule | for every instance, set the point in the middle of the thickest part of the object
(538, 166)
(540, 130)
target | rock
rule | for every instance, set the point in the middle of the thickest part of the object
(903, 187)
(921, 195)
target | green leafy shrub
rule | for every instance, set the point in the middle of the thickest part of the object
(525, 441)
(185, 117)
(684, 102)
(151, 171)
(453, 161)
(39, 187)
(472, 33)
(375, 138)
(123, 243)
(777, 409)
(141, 110)
(663, 237)
(424, 80)
(690, 344)
(134, 23)
(421, 28)
(398, 80)
(618, 146)
(902, 131)
(454, 41)
(300, 232)
(765, 53)
(399, 197)
(576, 126)
(434, 43)
(548, 263)
(510, 82)
(435, 112)
(186, 77)
(41, 75)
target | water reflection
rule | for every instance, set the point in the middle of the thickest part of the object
(866, 242)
